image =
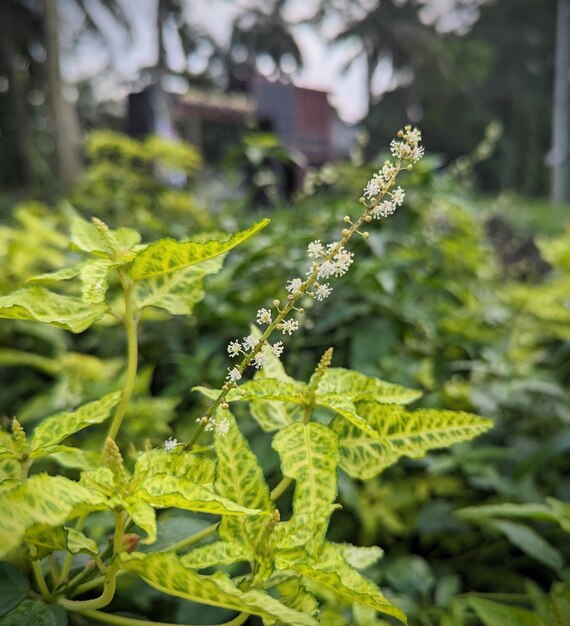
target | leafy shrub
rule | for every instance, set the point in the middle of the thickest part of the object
(56, 527)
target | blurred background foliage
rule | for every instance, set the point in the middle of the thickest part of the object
(464, 293)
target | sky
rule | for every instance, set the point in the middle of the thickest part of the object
(340, 70)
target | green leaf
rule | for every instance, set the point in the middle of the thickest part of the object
(43, 499)
(217, 553)
(358, 387)
(164, 490)
(49, 538)
(531, 543)
(58, 427)
(41, 305)
(171, 530)
(400, 433)
(167, 573)
(309, 454)
(14, 587)
(539, 512)
(495, 614)
(332, 572)
(168, 255)
(199, 469)
(35, 613)
(240, 478)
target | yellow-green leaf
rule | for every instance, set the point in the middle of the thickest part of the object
(143, 515)
(400, 433)
(58, 427)
(332, 572)
(43, 499)
(346, 408)
(195, 467)
(166, 572)
(309, 454)
(168, 255)
(39, 304)
(177, 292)
(360, 557)
(102, 241)
(358, 387)
(240, 478)
(164, 490)
(217, 553)
(273, 415)
(48, 539)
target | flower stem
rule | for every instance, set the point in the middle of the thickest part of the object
(131, 323)
(280, 488)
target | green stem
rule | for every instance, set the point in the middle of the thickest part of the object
(96, 603)
(40, 580)
(192, 539)
(131, 323)
(281, 488)
(107, 618)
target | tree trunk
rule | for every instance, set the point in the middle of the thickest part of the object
(561, 101)
(65, 124)
(17, 86)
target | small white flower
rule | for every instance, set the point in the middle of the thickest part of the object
(315, 249)
(170, 444)
(400, 150)
(398, 196)
(209, 426)
(259, 360)
(264, 316)
(343, 259)
(388, 170)
(414, 136)
(250, 342)
(322, 291)
(234, 348)
(384, 209)
(417, 154)
(289, 326)
(234, 374)
(373, 188)
(277, 348)
(223, 426)
(294, 285)
(327, 269)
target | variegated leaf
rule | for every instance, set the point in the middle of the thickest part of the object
(357, 387)
(164, 491)
(217, 553)
(168, 255)
(240, 478)
(39, 304)
(332, 572)
(58, 427)
(43, 499)
(102, 241)
(400, 433)
(166, 573)
(197, 468)
(48, 539)
(309, 454)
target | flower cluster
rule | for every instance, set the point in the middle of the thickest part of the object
(380, 199)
